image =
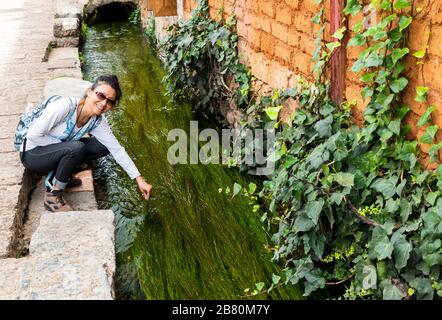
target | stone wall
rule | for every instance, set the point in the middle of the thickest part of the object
(276, 40)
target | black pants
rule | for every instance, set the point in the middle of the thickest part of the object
(63, 157)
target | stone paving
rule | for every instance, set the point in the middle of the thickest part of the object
(71, 255)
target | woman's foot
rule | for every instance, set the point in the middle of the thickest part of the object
(55, 202)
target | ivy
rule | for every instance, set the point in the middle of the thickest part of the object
(202, 64)
(347, 206)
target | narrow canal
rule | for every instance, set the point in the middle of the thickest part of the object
(189, 241)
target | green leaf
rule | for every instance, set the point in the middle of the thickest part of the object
(332, 45)
(401, 252)
(433, 152)
(344, 179)
(398, 54)
(395, 126)
(352, 7)
(401, 4)
(386, 187)
(405, 209)
(390, 291)
(272, 112)
(275, 279)
(429, 135)
(303, 223)
(404, 22)
(313, 209)
(421, 94)
(323, 127)
(252, 187)
(431, 197)
(420, 54)
(236, 189)
(357, 40)
(426, 116)
(339, 34)
(259, 285)
(380, 247)
(398, 85)
(366, 92)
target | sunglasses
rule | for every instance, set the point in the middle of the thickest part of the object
(102, 97)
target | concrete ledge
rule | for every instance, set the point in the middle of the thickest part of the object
(72, 256)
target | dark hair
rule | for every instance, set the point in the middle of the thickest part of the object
(111, 80)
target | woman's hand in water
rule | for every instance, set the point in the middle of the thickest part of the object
(144, 187)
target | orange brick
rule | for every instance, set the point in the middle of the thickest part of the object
(419, 36)
(302, 62)
(266, 24)
(241, 29)
(254, 38)
(303, 24)
(252, 5)
(310, 6)
(435, 45)
(259, 66)
(294, 4)
(253, 19)
(268, 43)
(284, 14)
(280, 31)
(267, 7)
(279, 76)
(306, 43)
(293, 38)
(283, 51)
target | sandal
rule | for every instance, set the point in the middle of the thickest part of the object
(55, 202)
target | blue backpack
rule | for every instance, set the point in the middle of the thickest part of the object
(27, 119)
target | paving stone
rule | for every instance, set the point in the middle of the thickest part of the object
(6, 145)
(66, 86)
(63, 58)
(9, 278)
(8, 125)
(67, 27)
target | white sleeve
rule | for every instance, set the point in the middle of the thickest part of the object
(104, 134)
(54, 113)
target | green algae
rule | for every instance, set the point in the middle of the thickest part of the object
(189, 241)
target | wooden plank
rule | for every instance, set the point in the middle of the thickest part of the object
(338, 59)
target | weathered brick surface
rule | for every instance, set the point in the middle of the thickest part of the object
(279, 34)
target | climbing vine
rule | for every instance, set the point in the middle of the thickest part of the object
(351, 211)
(202, 64)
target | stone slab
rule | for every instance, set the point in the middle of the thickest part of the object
(60, 58)
(80, 201)
(6, 145)
(12, 170)
(66, 86)
(72, 257)
(11, 270)
(67, 27)
(68, 42)
(8, 125)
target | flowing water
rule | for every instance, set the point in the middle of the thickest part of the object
(189, 241)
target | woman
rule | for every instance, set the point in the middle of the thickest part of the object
(55, 141)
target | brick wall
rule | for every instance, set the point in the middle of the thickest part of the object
(276, 37)
(276, 40)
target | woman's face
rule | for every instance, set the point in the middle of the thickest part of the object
(101, 99)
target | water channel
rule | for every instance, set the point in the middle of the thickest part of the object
(189, 241)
